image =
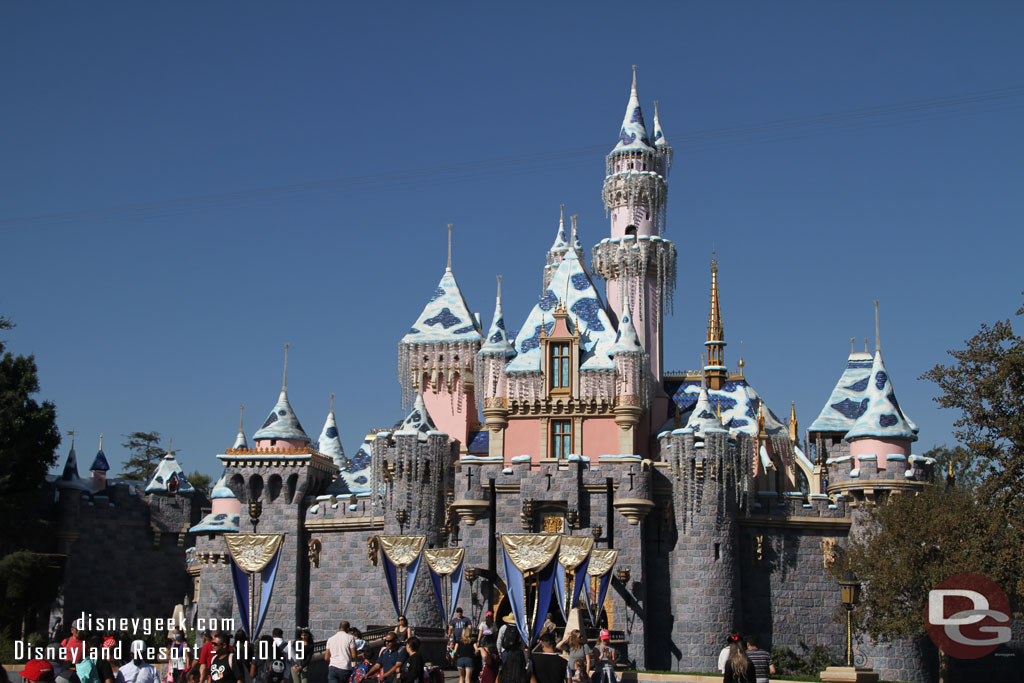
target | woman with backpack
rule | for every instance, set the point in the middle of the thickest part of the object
(269, 662)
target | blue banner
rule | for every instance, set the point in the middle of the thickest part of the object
(437, 583)
(267, 576)
(391, 578)
(545, 581)
(400, 599)
(516, 595)
(241, 582)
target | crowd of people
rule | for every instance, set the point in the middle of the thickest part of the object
(484, 653)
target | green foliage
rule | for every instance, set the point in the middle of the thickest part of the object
(810, 662)
(29, 582)
(919, 540)
(28, 443)
(200, 482)
(968, 470)
(145, 453)
(986, 385)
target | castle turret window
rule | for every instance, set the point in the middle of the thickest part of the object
(561, 368)
(561, 438)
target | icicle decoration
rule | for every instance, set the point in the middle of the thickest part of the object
(489, 370)
(646, 189)
(446, 358)
(630, 261)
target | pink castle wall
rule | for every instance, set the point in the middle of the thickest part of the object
(283, 444)
(522, 437)
(879, 447)
(601, 437)
(451, 414)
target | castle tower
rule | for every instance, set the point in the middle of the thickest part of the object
(715, 370)
(240, 441)
(99, 469)
(636, 259)
(435, 358)
(281, 429)
(557, 251)
(490, 375)
(329, 443)
(632, 390)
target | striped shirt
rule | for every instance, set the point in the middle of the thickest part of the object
(762, 661)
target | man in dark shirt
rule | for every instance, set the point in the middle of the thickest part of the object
(390, 660)
(412, 669)
(456, 625)
(763, 666)
(548, 665)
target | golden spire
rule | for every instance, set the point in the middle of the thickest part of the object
(760, 419)
(741, 363)
(715, 369)
(794, 432)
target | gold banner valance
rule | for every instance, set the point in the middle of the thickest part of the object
(402, 550)
(252, 552)
(573, 550)
(601, 561)
(530, 552)
(444, 561)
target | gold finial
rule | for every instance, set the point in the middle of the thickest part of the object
(718, 406)
(741, 362)
(878, 335)
(794, 432)
(950, 468)
(449, 267)
(284, 379)
(760, 417)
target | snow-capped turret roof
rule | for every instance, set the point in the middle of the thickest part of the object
(572, 285)
(99, 463)
(497, 337)
(355, 473)
(418, 421)
(882, 417)
(329, 443)
(282, 423)
(703, 419)
(167, 472)
(633, 134)
(561, 243)
(847, 401)
(626, 339)
(69, 478)
(659, 135)
(221, 489)
(737, 402)
(446, 317)
(240, 442)
(217, 522)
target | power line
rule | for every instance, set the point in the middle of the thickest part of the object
(780, 130)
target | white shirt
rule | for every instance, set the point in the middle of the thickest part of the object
(338, 645)
(723, 657)
(130, 673)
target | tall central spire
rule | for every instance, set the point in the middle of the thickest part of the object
(715, 368)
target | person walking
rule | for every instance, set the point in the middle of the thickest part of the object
(514, 664)
(456, 625)
(763, 666)
(137, 670)
(489, 660)
(723, 654)
(389, 660)
(738, 667)
(412, 669)
(464, 654)
(74, 645)
(340, 654)
(223, 667)
(547, 665)
(486, 626)
(574, 647)
(603, 659)
(179, 657)
(302, 656)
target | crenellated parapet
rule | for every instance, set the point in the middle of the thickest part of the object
(866, 477)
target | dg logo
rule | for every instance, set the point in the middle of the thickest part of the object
(968, 616)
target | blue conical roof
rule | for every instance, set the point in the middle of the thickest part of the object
(497, 337)
(282, 423)
(99, 463)
(561, 243)
(221, 489)
(69, 478)
(848, 399)
(329, 443)
(446, 316)
(418, 421)
(633, 134)
(240, 441)
(571, 283)
(166, 472)
(703, 419)
(659, 135)
(882, 417)
(626, 339)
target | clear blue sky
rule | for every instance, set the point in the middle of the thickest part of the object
(187, 186)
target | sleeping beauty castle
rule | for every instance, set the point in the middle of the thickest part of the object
(703, 510)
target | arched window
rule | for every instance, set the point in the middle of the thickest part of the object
(631, 230)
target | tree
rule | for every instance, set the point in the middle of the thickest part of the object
(200, 482)
(145, 453)
(28, 444)
(968, 470)
(29, 582)
(986, 384)
(917, 541)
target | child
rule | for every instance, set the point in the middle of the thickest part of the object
(579, 672)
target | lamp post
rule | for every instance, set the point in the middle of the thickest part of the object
(849, 589)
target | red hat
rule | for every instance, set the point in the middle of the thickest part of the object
(109, 642)
(35, 668)
(489, 613)
(605, 635)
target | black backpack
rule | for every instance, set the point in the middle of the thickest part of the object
(276, 669)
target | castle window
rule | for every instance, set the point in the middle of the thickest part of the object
(631, 230)
(561, 370)
(561, 438)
